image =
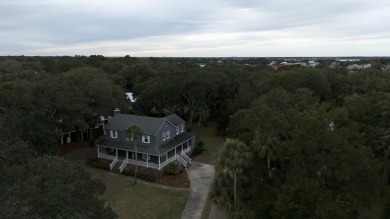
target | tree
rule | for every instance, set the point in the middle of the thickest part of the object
(266, 146)
(51, 187)
(234, 158)
(133, 132)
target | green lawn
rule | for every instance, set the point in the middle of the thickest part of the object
(134, 201)
(141, 200)
(212, 144)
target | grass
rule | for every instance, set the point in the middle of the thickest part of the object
(213, 145)
(140, 200)
(134, 201)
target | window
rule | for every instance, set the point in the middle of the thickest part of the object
(168, 134)
(182, 128)
(145, 138)
(177, 130)
(114, 134)
(163, 136)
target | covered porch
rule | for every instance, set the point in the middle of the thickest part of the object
(151, 160)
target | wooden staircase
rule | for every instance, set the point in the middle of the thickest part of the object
(182, 161)
(115, 169)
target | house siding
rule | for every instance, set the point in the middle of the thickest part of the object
(165, 127)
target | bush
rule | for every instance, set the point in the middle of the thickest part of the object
(140, 175)
(199, 143)
(95, 162)
(198, 149)
(172, 168)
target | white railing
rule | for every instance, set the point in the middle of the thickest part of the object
(163, 164)
(181, 160)
(187, 149)
(113, 163)
(143, 163)
(187, 158)
(106, 156)
(123, 165)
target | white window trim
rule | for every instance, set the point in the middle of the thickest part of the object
(168, 134)
(146, 139)
(163, 136)
(113, 134)
(177, 129)
(182, 128)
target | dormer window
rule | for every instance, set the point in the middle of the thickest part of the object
(113, 134)
(168, 134)
(177, 129)
(145, 139)
(163, 136)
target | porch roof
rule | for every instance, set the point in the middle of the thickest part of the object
(147, 149)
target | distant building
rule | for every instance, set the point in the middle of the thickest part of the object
(386, 67)
(272, 63)
(358, 67)
(334, 65)
(313, 64)
(302, 64)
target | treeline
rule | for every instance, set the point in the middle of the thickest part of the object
(316, 138)
(318, 145)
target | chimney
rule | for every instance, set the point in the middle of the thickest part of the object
(117, 111)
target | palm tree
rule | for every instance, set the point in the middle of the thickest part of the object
(266, 145)
(234, 157)
(133, 132)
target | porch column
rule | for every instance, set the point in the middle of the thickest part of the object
(147, 160)
(159, 162)
(117, 152)
(98, 151)
(127, 156)
(181, 147)
(166, 156)
(175, 153)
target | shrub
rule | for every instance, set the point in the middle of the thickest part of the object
(198, 149)
(140, 175)
(199, 143)
(95, 162)
(172, 168)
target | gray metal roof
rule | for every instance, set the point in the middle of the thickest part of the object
(148, 149)
(175, 119)
(149, 125)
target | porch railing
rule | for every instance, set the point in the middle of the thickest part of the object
(143, 163)
(163, 164)
(187, 158)
(187, 149)
(106, 156)
(181, 160)
(113, 163)
(123, 165)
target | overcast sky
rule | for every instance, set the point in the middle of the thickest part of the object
(195, 27)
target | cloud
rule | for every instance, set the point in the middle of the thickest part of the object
(191, 28)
